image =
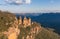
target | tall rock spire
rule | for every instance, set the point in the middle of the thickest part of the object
(20, 20)
(25, 21)
(29, 21)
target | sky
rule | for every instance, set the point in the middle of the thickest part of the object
(30, 6)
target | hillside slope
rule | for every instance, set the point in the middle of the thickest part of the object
(47, 34)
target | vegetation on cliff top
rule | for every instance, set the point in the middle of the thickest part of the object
(6, 18)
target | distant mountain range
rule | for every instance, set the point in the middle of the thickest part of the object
(47, 20)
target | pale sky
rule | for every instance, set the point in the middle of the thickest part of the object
(30, 6)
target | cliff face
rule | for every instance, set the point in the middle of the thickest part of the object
(6, 20)
(30, 31)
